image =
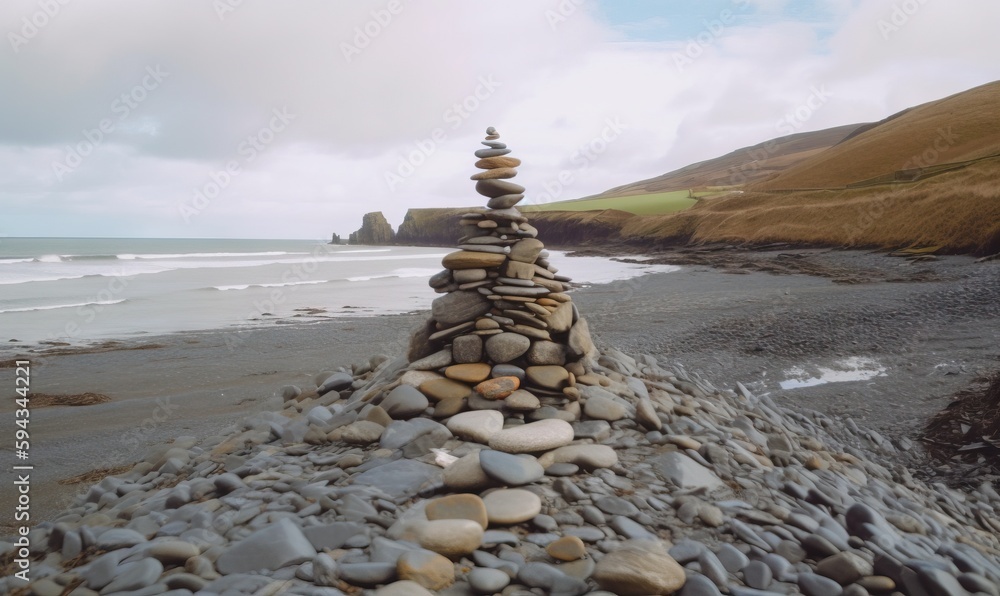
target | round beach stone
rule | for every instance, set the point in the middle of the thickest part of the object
(504, 347)
(468, 373)
(459, 307)
(466, 259)
(497, 188)
(508, 469)
(511, 506)
(438, 389)
(403, 587)
(526, 250)
(465, 276)
(461, 506)
(522, 401)
(567, 548)
(549, 377)
(484, 580)
(451, 537)
(535, 436)
(477, 425)
(508, 370)
(173, 551)
(362, 432)
(547, 352)
(497, 388)
(427, 568)
(639, 567)
(467, 348)
(449, 407)
(404, 402)
(466, 474)
(599, 407)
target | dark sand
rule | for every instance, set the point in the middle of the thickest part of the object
(934, 326)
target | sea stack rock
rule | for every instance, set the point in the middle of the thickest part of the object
(504, 304)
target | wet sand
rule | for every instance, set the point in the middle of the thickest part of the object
(933, 326)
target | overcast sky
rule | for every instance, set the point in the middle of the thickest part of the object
(268, 119)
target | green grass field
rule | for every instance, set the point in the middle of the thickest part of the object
(650, 204)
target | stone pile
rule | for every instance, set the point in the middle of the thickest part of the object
(509, 336)
(465, 476)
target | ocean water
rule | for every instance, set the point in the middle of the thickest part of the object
(66, 289)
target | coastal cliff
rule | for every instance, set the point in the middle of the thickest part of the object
(375, 230)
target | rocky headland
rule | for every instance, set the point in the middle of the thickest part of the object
(506, 453)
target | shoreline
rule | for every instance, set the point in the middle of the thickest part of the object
(749, 327)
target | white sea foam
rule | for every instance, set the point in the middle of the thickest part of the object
(398, 273)
(58, 306)
(205, 255)
(855, 368)
(279, 285)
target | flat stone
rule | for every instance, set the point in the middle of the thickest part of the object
(173, 551)
(511, 506)
(449, 407)
(466, 474)
(401, 479)
(484, 153)
(426, 568)
(451, 537)
(599, 407)
(468, 373)
(504, 347)
(519, 270)
(450, 331)
(459, 307)
(639, 567)
(732, 558)
(468, 348)
(757, 575)
(404, 402)
(465, 259)
(579, 343)
(367, 575)
(275, 546)
(528, 331)
(464, 276)
(497, 388)
(461, 506)
(498, 162)
(362, 432)
(699, 585)
(438, 389)
(535, 436)
(561, 319)
(817, 585)
(479, 425)
(495, 174)
(588, 457)
(333, 535)
(119, 538)
(497, 188)
(844, 568)
(526, 250)
(685, 472)
(508, 469)
(402, 588)
(505, 201)
(131, 577)
(548, 377)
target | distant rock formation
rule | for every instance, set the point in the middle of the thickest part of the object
(375, 229)
(336, 239)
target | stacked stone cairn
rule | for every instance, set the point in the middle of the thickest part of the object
(510, 335)
(507, 456)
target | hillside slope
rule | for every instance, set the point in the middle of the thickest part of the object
(958, 128)
(742, 166)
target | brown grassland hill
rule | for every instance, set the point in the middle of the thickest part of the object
(742, 166)
(927, 177)
(959, 128)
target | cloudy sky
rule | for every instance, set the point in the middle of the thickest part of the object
(268, 119)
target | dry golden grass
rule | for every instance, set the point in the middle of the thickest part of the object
(959, 211)
(48, 400)
(957, 128)
(97, 475)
